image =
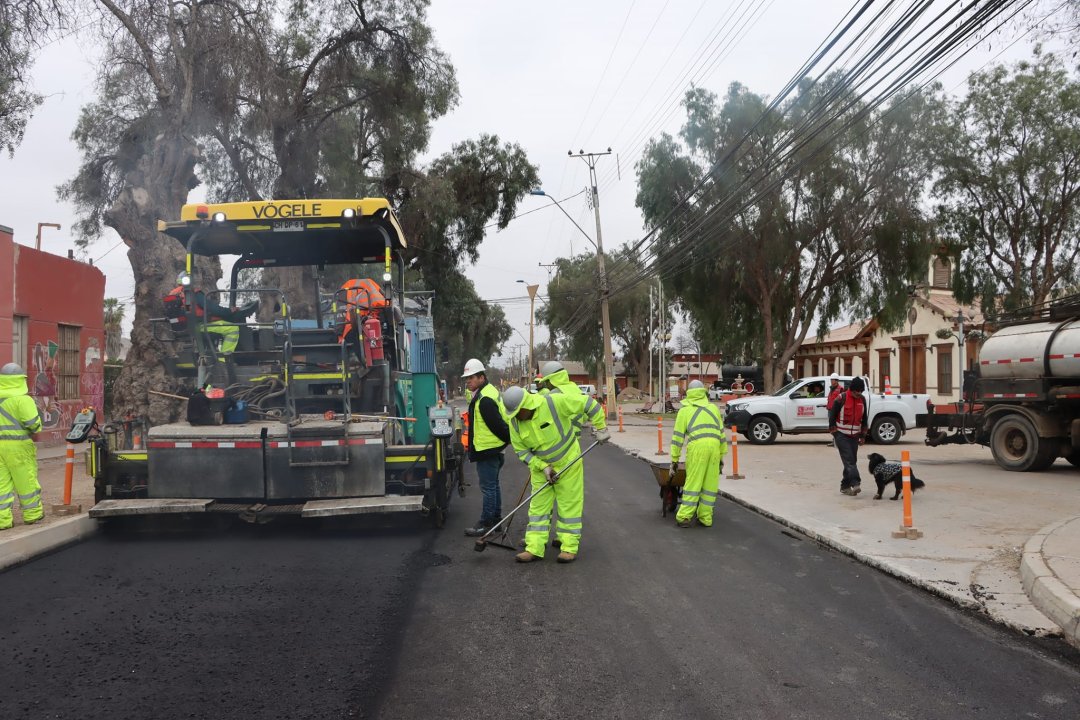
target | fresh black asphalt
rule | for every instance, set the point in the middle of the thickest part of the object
(385, 618)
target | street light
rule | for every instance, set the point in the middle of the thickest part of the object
(945, 334)
(605, 317)
(532, 304)
(37, 243)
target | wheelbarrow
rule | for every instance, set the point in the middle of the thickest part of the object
(670, 486)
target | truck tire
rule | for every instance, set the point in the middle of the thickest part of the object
(1074, 458)
(886, 429)
(761, 431)
(1016, 445)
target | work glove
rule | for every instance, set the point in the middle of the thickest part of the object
(674, 467)
(551, 474)
(602, 436)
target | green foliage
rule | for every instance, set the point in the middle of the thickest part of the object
(780, 239)
(1009, 190)
(576, 284)
(25, 25)
(114, 318)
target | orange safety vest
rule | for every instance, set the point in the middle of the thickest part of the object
(363, 295)
(176, 307)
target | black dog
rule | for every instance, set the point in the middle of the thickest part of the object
(886, 472)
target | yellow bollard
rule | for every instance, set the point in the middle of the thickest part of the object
(907, 530)
(735, 455)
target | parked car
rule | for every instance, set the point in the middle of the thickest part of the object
(796, 409)
(589, 390)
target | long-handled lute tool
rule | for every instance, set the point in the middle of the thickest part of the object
(483, 542)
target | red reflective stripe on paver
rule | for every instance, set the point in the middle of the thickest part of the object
(206, 444)
(1028, 359)
(1057, 356)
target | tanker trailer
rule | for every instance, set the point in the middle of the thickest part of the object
(1023, 400)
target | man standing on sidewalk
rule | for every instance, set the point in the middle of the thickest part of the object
(847, 424)
(19, 425)
(698, 426)
(488, 435)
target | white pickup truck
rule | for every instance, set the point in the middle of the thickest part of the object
(797, 408)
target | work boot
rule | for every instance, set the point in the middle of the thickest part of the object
(847, 491)
(481, 528)
(856, 489)
(684, 523)
(526, 556)
(567, 557)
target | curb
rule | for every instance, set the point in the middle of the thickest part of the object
(884, 567)
(24, 548)
(1051, 596)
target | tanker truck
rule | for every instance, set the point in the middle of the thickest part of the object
(1023, 398)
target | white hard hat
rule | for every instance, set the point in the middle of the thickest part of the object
(472, 367)
(695, 385)
(551, 367)
(12, 369)
(512, 398)
(834, 376)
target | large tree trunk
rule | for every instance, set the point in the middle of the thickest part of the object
(156, 189)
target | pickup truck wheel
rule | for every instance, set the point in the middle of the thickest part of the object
(886, 430)
(1016, 446)
(762, 431)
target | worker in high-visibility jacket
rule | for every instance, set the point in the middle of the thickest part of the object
(558, 381)
(542, 433)
(699, 428)
(20, 423)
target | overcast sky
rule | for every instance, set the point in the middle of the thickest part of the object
(550, 76)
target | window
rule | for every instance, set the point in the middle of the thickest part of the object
(67, 363)
(944, 369)
(942, 273)
(886, 366)
(18, 340)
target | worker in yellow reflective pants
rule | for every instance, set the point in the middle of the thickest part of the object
(19, 425)
(698, 427)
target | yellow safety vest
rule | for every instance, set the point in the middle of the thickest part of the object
(482, 437)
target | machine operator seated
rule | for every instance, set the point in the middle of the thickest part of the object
(211, 316)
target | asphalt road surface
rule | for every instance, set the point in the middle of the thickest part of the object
(380, 619)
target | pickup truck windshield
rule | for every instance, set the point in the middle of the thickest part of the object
(786, 389)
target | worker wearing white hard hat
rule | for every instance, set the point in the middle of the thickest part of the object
(698, 426)
(543, 436)
(20, 423)
(488, 435)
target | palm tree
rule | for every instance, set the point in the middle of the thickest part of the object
(114, 316)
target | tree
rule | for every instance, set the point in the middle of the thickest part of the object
(114, 317)
(140, 146)
(574, 286)
(1008, 188)
(809, 212)
(24, 26)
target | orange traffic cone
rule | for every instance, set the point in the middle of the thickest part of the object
(888, 386)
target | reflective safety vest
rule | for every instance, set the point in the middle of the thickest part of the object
(849, 421)
(561, 383)
(697, 420)
(363, 296)
(548, 437)
(19, 416)
(482, 437)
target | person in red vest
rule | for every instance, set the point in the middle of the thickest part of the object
(848, 426)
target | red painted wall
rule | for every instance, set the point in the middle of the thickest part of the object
(7, 292)
(51, 290)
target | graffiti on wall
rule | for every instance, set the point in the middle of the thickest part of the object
(56, 414)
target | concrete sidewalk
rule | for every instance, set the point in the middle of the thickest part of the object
(1006, 544)
(23, 542)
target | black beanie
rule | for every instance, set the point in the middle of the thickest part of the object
(857, 384)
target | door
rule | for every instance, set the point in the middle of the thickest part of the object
(807, 407)
(912, 376)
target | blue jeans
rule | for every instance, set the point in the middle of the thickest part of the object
(488, 472)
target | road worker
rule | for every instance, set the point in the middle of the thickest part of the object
(19, 425)
(542, 433)
(698, 427)
(556, 377)
(488, 435)
(209, 314)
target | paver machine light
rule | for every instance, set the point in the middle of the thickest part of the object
(333, 414)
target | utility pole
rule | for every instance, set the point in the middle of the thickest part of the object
(661, 359)
(590, 159)
(550, 267)
(652, 338)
